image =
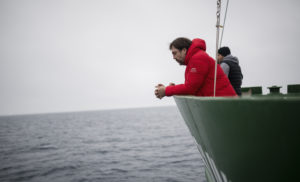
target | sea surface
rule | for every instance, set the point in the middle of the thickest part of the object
(146, 144)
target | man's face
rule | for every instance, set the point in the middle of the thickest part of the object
(178, 55)
(220, 58)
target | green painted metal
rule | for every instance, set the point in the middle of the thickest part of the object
(274, 89)
(293, 89)
(252, 90)
(247, 138)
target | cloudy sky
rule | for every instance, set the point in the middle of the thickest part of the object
(76, 55)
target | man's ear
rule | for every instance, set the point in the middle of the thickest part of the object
(184, 50)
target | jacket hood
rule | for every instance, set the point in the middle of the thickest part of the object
(197, 44)
(231, 58)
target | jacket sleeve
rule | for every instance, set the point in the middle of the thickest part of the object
(196, 74)
(225, 68)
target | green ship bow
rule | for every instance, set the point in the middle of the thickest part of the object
(252, 138)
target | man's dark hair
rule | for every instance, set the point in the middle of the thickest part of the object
(181, 43)
(224, 51)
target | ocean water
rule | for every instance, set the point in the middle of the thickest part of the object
(146, 144)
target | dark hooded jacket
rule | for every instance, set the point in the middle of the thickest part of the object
(232, 69)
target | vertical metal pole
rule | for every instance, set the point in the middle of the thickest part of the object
(223, 26)
(217, 42)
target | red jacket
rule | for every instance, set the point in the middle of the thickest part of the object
(199, 75)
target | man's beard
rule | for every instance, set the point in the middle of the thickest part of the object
(179, 62)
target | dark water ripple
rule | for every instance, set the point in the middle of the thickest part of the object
(150, 144)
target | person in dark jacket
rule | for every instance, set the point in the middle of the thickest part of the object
(231, 68)
(199, 72)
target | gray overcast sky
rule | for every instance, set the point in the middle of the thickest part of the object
(71, 55)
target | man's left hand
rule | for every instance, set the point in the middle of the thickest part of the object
(160, 91)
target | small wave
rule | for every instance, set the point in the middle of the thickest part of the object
(101, 152)
(58, 169)
(24, 172)
(4, 169)
(119, 170)
(25, 178)
(23, 175)
(42, 148)
(145, 170)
